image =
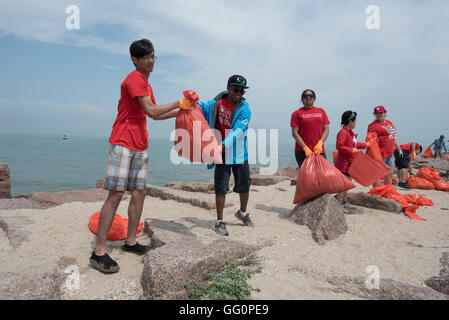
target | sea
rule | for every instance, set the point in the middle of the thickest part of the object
(49, 163)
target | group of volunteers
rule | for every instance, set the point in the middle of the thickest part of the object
(310, 129)
(229, 114)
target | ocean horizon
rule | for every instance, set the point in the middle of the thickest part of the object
(48, 163)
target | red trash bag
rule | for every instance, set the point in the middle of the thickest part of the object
(433, 176)
(428, 153)
(389, 191)
(366, 170)
(373, 150)
(318, 176)
(441, 185)
(418, 199)
(420, 183)
(119, 228)
(195, 140)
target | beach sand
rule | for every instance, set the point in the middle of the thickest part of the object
(294, 267)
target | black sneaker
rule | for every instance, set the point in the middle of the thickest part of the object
(137, 248)
(104, 263)
(245, 219)
(404, 185)
(220, 228)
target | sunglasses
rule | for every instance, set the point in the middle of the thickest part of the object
(306, 96)
(239, 90)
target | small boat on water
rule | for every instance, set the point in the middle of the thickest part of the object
(64, 137)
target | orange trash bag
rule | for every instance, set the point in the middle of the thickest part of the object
(366, 170)
(389, 191)
(418, 199)
(373, 150)
(194, 139)
(428, 153)
(119, 228)
(318, 176)
(433, 176)
(420, 183)
(335, 155)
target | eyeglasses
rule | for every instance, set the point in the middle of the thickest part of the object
(307, 96)
(154, 58)
(239, 90)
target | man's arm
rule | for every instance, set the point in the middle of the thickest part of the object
(168, 115)
(155, 111)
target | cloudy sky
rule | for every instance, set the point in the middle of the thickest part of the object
(54, 80)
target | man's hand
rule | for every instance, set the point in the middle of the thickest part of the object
(307, 151)
(319, 147)
(401, 154)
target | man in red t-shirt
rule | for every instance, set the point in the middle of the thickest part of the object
(128, 154)
(404, 162)
(310, 128)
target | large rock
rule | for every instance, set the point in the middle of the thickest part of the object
(13, 227)
(61, 197)
(5, 182)
(374, 201)
(324, 217)
(266, 180)
(289, 172)
(441, 282)
(204, 201)
(179, 258)
(204, 187)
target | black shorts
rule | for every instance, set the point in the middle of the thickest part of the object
(402, 163)
(241, 177)
(301, 156)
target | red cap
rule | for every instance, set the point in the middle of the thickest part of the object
(379, 109)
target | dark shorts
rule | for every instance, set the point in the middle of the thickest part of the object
(402, 163)
(301, 156)
(241, 177)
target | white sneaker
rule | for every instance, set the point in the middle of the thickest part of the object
(349, 206)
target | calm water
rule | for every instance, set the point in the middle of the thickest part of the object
(49, 163)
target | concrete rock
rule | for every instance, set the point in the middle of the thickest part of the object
(5, 182)
(204, 187)
(289, 172)
(440, 284)
(324, 217)
(374, 201)
(13, 226)
(266, 180)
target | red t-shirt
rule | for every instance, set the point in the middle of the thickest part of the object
(130, 126)
(224, 116)
(386, 133)
(311, 125)
(408, 147)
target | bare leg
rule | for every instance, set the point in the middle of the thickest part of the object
(388, 179)
(220, 202)
(134, 214)
(402, 175)
(107, 214)
(244, 201)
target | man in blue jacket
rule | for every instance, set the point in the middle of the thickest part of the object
(438, 146)
(229, 114)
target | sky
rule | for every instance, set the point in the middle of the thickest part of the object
(55, 80)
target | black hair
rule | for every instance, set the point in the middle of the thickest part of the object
(420, 148)
(304, 92)
(141, 48)
(348, 116)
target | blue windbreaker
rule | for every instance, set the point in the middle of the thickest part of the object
(236, 144)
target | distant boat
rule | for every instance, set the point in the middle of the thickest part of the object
(64, 137)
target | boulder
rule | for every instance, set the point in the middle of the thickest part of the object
(289, 172)
(266, 180)
(374, 201)
(177, 259)
(440, 284)
(324, 217)
(5, 182)
(204, 201)
(204, 187)
(261, 171)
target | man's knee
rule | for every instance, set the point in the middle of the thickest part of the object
(115, 197)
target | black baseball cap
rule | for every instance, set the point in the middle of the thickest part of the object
(237, 80)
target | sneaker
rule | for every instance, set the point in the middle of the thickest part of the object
(349, 206)
(404, 185)
(344, 209)
(220, 228)
(137, 248)
(245, 219)
(104, 263)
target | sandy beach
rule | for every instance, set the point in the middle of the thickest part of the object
(294, 267)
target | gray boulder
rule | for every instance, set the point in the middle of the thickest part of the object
(324, 217)
(374, 201)
(5, 182)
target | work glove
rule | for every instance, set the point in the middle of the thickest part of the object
(401, 155)
(190, 99)
(413, 155)
(319, 147)
(368, 144)
(185, 104)
(307, 151)
(355, 151)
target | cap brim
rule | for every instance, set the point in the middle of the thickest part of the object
(238, 84)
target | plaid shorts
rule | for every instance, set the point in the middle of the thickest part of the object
(127, 169)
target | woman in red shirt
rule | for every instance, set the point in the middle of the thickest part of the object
(310, 128)
(386, 135)
(347, 147)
